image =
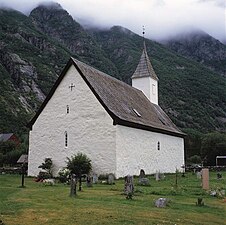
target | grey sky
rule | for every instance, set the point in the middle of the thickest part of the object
(162, 18)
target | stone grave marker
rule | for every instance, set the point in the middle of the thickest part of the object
(111, 179)
(205, 179)
(129, 187)
(219, 175)
(89, 181)
(144, 181)
(199, 174)
(95, 178)
(157, 175)
(73, 185)
(161, 202)
(142, 174)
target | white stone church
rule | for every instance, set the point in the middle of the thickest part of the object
(122, 129)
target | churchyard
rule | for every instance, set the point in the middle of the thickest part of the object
(40, 203)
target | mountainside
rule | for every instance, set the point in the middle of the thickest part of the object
(201, 47)
(191, 94)
(55, 22)
(34, 50)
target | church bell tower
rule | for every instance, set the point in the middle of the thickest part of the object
(145, 79)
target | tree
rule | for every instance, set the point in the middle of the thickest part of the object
(47, 166)
(192, 143)
(79, 165)
(10, 152)
(213, 144)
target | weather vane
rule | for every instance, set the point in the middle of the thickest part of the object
(143, 31)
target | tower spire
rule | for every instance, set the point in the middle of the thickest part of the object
(144, 77)
(144, 67)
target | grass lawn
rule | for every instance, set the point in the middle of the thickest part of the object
(105, 204)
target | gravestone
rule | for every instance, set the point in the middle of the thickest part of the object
(205, 179)
(161, 202)
(157, 176)
(144, 182)
(219, 175)
(89, 181)
(142, 174)
(129, 187)
(199, 175)
(95, 178)
(111, 179)
(73, 185)
(200, 202)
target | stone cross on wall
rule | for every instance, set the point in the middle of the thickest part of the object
(71, 86)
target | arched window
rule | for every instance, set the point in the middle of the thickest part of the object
(67, 108)
(65, 139)
(158, 145)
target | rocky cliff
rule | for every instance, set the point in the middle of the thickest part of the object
(201, 47)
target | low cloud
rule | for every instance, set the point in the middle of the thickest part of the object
(161, 18)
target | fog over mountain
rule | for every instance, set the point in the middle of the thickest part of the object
(162, 18)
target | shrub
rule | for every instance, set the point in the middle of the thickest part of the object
(43, 175)
(47, 166)
(79, 165)
(64, 175)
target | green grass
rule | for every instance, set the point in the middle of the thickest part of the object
(105, 204)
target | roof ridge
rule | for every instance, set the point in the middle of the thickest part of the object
(105, 74)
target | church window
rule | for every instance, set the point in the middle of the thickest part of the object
(67, 108)
(158, 145)
(65, 139)
(137, 113)
(153, 89)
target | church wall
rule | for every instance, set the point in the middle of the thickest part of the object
(137, 149)
(89, 128)
(149, 87)
(143, 84)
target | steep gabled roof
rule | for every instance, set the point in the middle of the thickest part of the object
(144, 67)
(5, 137)
(126, 105)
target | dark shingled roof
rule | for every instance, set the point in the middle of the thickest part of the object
(144, 67)
(5, 137)
(23, 159)
(126, 105)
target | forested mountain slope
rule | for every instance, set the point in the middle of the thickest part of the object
(35, 48)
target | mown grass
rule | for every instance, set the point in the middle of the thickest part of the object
(106, 204)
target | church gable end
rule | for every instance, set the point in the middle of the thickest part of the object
(87, 127)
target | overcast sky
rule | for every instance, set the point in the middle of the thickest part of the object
(161, 18)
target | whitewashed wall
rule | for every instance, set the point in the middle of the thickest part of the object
(149, 87)
(137, 149)
(88, 125)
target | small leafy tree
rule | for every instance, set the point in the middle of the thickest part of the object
(79, 165)
(47, 166)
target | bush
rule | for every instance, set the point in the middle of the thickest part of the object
(79, 165)
(43, 175)
(64, 175)
(47, 166)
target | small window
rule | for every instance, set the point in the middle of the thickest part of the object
(153, 89)
(67, 109)
(137, 113)
(65, 139)
(158, 145)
